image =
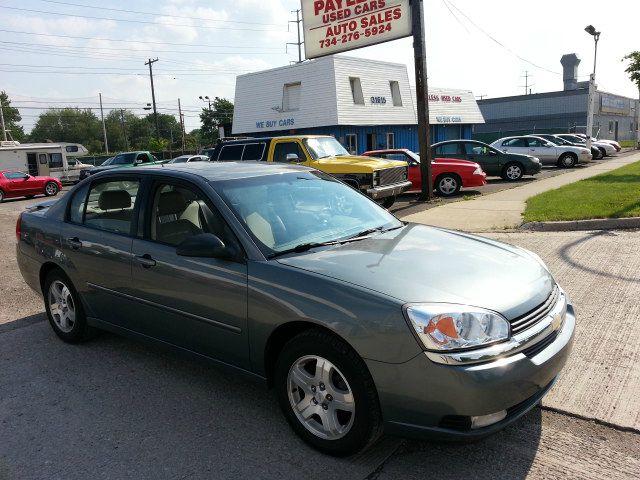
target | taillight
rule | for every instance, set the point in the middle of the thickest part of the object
(19, 227)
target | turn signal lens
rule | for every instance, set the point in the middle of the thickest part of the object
(444, 326)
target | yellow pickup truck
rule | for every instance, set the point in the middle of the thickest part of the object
(382, 180)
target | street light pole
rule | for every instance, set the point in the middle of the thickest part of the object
(591, 30)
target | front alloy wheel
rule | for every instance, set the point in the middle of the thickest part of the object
(51, 189)
(513, 171)
(448, 185)
(321, 397)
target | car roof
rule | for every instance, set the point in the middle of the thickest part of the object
(459, 140)
(213, 171)
(268, 139)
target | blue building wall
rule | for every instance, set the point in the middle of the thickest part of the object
(405, 136)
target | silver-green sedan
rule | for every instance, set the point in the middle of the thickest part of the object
(360, 322)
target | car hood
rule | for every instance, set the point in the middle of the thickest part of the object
(418, 263)
(358, 160)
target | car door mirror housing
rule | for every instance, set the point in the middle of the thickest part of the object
(203, 245)
(137, 161)
(292, 157)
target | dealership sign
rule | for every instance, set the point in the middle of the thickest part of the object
(333, 26)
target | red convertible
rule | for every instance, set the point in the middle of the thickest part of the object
(448, 174)
(18, 184)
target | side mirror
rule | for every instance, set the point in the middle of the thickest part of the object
(292, 157)
(203, 245)
(137, 161)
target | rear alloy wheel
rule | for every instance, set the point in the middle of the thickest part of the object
(512, 171)
(448, 184)
(51, 189)
(64, 309)
(568, 160)
(327, 394)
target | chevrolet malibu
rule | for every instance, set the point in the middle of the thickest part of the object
(360, 322)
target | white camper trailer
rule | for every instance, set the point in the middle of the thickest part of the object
(53, 159)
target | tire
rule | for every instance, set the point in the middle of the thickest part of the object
(64, 309)
(1, 196)
(448, 184)
(388, 202)
(345, 375)
(512, 171)
(603, 152)
(567, 160)
(51, 189)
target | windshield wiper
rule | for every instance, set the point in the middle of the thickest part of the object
(369, 231)
(303, 247)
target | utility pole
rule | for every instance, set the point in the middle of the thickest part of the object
(526, 76)
(299, 43)
(590, 29)
(181, 124)
(422, 95)
(104, 129)
(153, 95)
(4, 130)
(124, 129)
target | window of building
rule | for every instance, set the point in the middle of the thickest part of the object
(110, 205)
(352, 143)
(55, 160)
(356, 90)
(253, 151)
(231, 152)
(395, 93)
(391, 140)
(291, 97)
(610, 127)
(282, 149)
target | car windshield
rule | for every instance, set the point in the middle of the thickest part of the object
(123, 159)
(323, 147)
(555, 140)
(180, 159)
(301, 209)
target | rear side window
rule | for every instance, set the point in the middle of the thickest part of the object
(514, 142)
(253, 151)
(231, 152)
(110, 205)
(447, 149)
(76, 207)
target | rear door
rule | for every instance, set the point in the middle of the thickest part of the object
(515, 145)
(449, 150)
(196, 303)
(96, 245)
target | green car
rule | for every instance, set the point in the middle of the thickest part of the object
(510, 166)
(124, 159)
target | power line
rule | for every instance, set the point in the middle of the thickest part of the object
(156, 14)
(135, 41)
(209, 27)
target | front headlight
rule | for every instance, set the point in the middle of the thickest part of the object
(535, 159)
(443, 326)
(478, 170)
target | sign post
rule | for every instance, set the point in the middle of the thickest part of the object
(333, 26)
(422, 97)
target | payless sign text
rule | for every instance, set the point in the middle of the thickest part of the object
(333, 26)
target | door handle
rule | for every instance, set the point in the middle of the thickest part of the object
(146, 260)
(74, 242)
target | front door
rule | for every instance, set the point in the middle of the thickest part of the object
(32, 164)
(515, 145)
(542, 149)
(371, 141)
(283, 151)
(196, 303)
(489, 159)
(96, 244)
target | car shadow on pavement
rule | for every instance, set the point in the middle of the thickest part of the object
(115, 408)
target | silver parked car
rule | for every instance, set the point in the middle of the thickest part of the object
(189, 159)
(548, 153)
(606, 147)
(360, 322)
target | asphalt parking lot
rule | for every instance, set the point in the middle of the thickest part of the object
(113, 408)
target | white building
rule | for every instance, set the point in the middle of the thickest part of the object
(366, 104)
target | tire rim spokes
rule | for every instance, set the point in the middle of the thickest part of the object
(448, 185)
(321, 397)
(51, 189)
(513, 172)
(62, 306)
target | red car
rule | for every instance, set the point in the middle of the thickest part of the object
(448, 174)
(18, 184)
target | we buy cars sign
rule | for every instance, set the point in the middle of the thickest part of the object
(333, 26)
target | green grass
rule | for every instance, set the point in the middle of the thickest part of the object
(627, 143)
(615, 194)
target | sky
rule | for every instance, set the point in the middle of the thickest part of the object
(55, 53)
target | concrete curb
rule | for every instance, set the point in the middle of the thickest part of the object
(574, 225)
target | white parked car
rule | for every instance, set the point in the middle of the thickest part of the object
(605, 147)
(189, 159)
(548, 153)
(616, 145)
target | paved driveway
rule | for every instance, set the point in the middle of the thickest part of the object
(114, 408)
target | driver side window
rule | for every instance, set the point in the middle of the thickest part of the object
(282, 149)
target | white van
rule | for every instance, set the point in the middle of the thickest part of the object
(52, 159)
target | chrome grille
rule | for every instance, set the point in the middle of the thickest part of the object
(532, 317)
(389, 176)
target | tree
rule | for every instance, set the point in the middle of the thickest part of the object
(220, 115)
(11, 118)
(69, 124)
(633, 69)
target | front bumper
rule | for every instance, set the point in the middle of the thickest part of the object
(388, 190)
(533, 168)
(585, 157)
(418, 397)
